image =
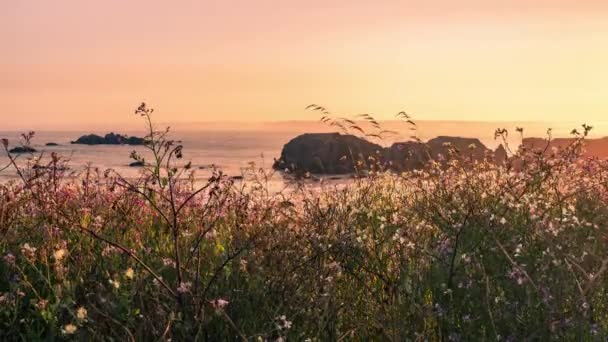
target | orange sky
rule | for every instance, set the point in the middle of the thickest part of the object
(78, 62)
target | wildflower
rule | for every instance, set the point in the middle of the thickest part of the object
(283, 323)
(114, 283)
(243, 265)
(27, 250)
(69, 329)
(9, 258)
(81, 313)
(466, 258)
(219, 304)
(42, 304)
(503, 221)
(184, 287)
(108, 250)
(129, 273)
(156, 282)
(211, 235)
(59, 254)
(168, 262)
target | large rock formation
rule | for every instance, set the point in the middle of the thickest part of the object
(406, 155)
(109, 139)
(469, 147)
(334, 153)
(328, 153)
(413, 155)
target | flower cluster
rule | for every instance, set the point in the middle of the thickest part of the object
(457, 250)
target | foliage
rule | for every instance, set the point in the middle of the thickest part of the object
(461, 250)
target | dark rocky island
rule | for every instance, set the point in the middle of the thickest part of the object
(22, 149)
(46, 167)
(327, 153)
(52, 144)
(109, 139)
(137, 163)
(334, 153)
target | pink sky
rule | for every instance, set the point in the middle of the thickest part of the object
(68, 62)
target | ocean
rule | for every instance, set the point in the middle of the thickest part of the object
(233, 150)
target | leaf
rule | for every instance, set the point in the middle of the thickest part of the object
(219, 248)
(85, 220)
(358, 129)
(348, 121)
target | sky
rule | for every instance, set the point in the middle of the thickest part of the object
(80, 63)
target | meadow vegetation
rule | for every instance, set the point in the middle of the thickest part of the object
(460, 250)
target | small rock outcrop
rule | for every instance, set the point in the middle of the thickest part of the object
(137, 164)
(51, 144)
(109, 139)
(22, 149)
(207, 167)
(326, 153)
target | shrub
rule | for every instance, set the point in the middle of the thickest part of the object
(461, 250)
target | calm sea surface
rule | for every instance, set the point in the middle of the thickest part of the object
(232, 151)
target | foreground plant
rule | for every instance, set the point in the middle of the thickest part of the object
(461, 250)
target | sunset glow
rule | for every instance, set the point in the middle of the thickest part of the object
(319, 170)
(69, 62)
